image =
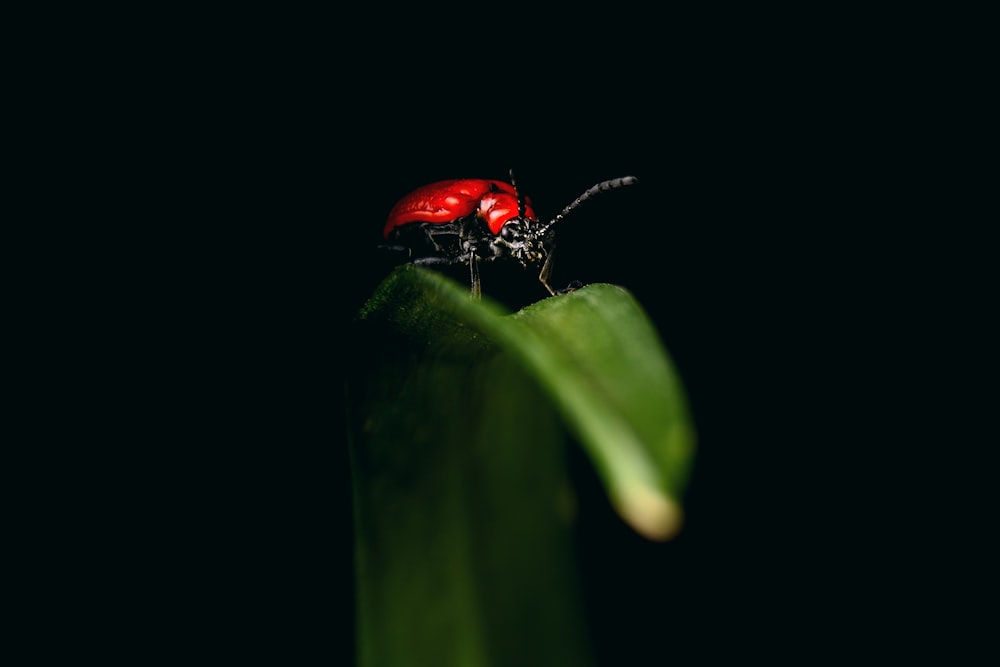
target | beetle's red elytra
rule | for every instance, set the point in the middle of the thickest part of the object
(470, 220)
(446, 201)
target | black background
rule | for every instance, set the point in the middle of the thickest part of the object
(762, 239)
(731, 240)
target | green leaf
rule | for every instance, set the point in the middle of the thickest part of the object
(457, 413)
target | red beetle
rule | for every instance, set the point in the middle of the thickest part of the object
(468, 220)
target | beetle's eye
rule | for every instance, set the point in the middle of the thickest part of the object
(510, 231)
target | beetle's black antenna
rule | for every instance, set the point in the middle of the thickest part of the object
(604, 186)
(517, 193)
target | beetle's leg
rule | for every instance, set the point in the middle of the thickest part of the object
(546, 271)
(450, 235)
(438, 260)
(474, 276)
(573, 286)
(396, 248)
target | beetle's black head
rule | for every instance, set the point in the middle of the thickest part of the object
(521, 239)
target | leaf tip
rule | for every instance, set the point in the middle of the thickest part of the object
(651, 513)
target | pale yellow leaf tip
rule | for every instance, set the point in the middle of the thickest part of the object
(651, 513)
